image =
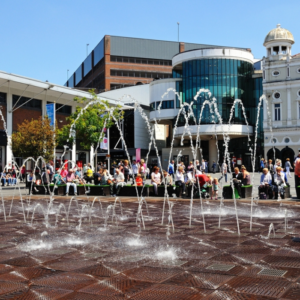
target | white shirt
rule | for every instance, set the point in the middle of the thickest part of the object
(135, 169)
(155, 176)
(179, 177)
(119, 177)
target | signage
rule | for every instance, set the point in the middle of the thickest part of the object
(50, 111)
(104, 142)
(138, 154)
(107, 155)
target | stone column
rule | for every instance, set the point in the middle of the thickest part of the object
(9, 126)
(213, 152)
(289, 107)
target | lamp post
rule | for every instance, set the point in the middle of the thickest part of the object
(67, 75)
(87, 49)
(178, 31)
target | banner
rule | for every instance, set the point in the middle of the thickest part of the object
(103, 144)
(138, 154)
(50, 111)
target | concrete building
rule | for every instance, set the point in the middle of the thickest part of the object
(281, 85)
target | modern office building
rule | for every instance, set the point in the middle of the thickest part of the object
(228, 74)
(281, 85)
(118, 62)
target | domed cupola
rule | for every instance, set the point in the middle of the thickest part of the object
(278, 43)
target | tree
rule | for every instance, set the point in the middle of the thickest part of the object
(88, 122)
(34, 138)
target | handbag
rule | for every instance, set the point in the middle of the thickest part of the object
(262, 196)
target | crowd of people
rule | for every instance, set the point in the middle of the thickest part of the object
(273, 180)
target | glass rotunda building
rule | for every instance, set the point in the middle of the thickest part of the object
(226, 74)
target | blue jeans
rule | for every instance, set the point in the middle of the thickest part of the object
(4, 180)
(225, 175)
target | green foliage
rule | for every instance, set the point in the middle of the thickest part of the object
(90, 122)
(34, 138)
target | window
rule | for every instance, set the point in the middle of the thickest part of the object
(277, 112)
(275, 73)
(298, 71)
(287, 140)
(145, 61)
(275, 50)
(283, 48)
(277, 95)
(125, 73)
(274, 141)
(25, 103)
(2, 98)
(299, 109)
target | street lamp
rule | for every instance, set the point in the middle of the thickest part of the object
(87, 49)
(178, 31)
(67, 75)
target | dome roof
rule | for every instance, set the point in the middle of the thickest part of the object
(279, 33)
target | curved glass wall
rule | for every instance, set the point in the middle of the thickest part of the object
(227, 79)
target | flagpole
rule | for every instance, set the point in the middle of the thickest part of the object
(54, 119)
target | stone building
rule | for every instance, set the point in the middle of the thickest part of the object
(281, 86)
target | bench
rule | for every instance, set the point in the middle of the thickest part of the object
(245, 189)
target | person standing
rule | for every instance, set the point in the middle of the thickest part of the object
(135, 170)
(171, 168)
(23, 173)
(288, 167)
(224, 170)
(179, 179)
(206, 166)
(203, 166)
(262, 164)
(214, 166)
(237, 180)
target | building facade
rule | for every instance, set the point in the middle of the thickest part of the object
(228, 74)
(281, 86)
(118, 62)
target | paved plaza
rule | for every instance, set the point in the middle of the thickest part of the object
(100, 250)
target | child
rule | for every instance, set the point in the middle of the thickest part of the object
(139, 180)
(215, 188)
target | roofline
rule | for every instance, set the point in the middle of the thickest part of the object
(43, 85)
(216, 47)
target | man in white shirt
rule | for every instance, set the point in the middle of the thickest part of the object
(135, 169)
(118, 183)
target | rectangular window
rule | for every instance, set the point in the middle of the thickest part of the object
(277, 112)
(3, 98)
(299, 109)
(27, 103)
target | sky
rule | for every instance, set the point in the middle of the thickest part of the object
(42, 39)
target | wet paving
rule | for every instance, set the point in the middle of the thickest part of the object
(69, 260)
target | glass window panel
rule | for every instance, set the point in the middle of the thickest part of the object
(210, 66)
(206, 66)
(87, 64)
(2, 98)
(223, 66)
(78, 75)
(99, 52)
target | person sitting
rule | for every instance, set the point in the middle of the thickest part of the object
(155, 179)
(278, 183)
(118, 183)
(78, 172)
(139, 180)
(179, 179)
(97, 177)
(64, 172)
(89, 175)
(126, 170)
(246, 176)
(271, 167)
(23, 173)
(70, 182)
(237, 178)
(57, 179)
(265, 183)
(167, 179)
(215, 189)
(190, 167)
(3, 177)
(190, 179)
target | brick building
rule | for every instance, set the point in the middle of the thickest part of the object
(118, 62)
